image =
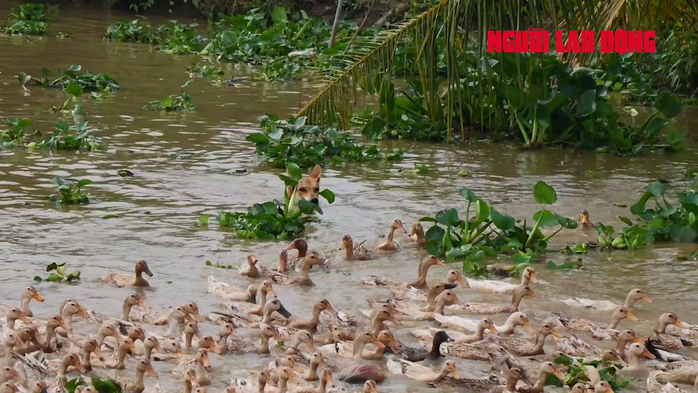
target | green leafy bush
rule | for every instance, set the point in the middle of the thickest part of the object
(64, 137)
(72, 78)
(59, 274)
(69, 195)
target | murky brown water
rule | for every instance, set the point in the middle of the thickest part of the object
(185, 166)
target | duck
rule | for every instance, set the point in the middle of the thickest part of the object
(415, 354)
(302, 247)
(677, 372)
(8, 387)
(528, 276)
(484, 324)
(8, 373)
(421, 281)
(273, 305)
(422, 373)
(285, 374)
(635, 295)
(28, 294)
(522, 347)
(662, 339)
(12, 316)
(417, 234)
(599, 333)
(325, 382)
(546, 369)
(481, 351)
(636, 352)
(299, 338)
(123, 280)
(360, 371)
(142, 367)
(126, 347)
(489, 309)
(385, 337)
(88, 348)
(312, 324)
(508, 328)
(200, 362)
(608, 358)
(70, 359)
(264, 291)
(355, 252)
(445, 298)
(316, 361)
(144, 315)
(11, 341)
(370, 386)
(249, 268)
(309, 261)
(489, 385)
(239, 345)
(390, 244)
(654, 386)
(52, 324)
(231, 293)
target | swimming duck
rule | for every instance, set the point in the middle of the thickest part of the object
(599, 333)
(509, 327)
(309, 261)
(52, 324)
(325, 381)
(88, 348)
(302, 246)
(249, 268)
(200, 363)
(608, 358)
(264, 290)
(636, 352)
(360, 371)
(445, 298)
(655, 386)
(489, 385)
(546, 368)
(522, 347)
(663, 339)
(481, 351)
(528, 276)
(385, 337)
(484, 324)
(299, 338)
(11, 341)
(231, 293)
(422, 373)
(28, 294)
(355, 251)
(316, 361)
(123, 280)
(421, 281)
(311, 325)
(390, 244)
(417, 234)
(70, 359)
(285, 374)
(414, 354)
(142, 367)
(489, 309)
(8, 373)
(71, 309)
(633, 297)
(267, 332)
(132, 300)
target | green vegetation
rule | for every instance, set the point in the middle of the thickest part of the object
(30, 19)
(180, 103)
(218, 265)
(101, 385)
(72, 76)
(58, 274)
(69, 195)
(306, 146)
(578, 373)
(275, 219)
(490, 232)
(64, 137)
(173, 37)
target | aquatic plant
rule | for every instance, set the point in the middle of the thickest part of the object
(64, 137)
(578, 373)
(173, 37)
(58, 274)
(69, 195)
(489, 231)
(306, 145)
(26, 27)
(72, 76)
(29, 18)
(15, 135)
(180, 103)
(275, 220)
(101, 385)
(218, 265)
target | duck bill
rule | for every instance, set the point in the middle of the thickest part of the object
(344, 245)
(455, 374)
(311, 345)
(680, 324)
(533, 278)
(647, 354)
(493, 329)
(401, 229)
(646, 299)
(533, 295)
(271, 293)
(152, 372)
(83, 313)
(395, 311)
(331, 310)
(609, 390)
(16, 376)
(556, 334)
(37, 297)
(637, 339)
(215, 348)
(292, 377)
(395, 320)
(527, 327)
(284, 312)
(393, 344)
(142, 304)
(632, 317)
(440, 263)
(585, 219)
(197, 316)
(205, 361)
(559, 375)
(189, 318)
(378, 343)
(24, 318)
(79, 367)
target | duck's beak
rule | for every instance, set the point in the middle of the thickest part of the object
(527, 327)
(378, 343)
(331, 310)
(395, 320)
(533, 277)
(292, 377)
(271, 292)
(680, 324)
(276, 336)
(646, 299)
(533, 295)
(647, 354)
(344, 245)
(439, 263)
(152, 372)
(637, 339)
(206, 362)
(215, 348)
(493, 329)
(311, 345)
(142, 304)
(80, 367)
(401, 228)
(83, 313)
(585, 219)
(556, 334)
(632, 317)
(455, 373)
(23, 317)
(284, 312)
(188, 317)
(14, 375)
(393, 344)
(157, 347)
(98, 353)
(621, 361)
(395, 311)
(559, 375)
(147, 271)
(197, 316)
(37, 297)
(609, 390)
(461, 280)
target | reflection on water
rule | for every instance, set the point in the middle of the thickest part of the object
(185, 165)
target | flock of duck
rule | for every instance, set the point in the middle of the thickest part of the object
(305, 355)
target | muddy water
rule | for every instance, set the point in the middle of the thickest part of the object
(185, 165)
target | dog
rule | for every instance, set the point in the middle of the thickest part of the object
(308, 187)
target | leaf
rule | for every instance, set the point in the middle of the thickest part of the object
(502, 221)
(564, 266)
(308, 207)
(294, 171)
(52, 266)
(656, 189)
(668, 104)
(547, 218)
(468, 195)
(203, 219)
(53, 278)
(587, 102)
(38, 279)
(682, 234)
(84, 182)
(73, 276)
(447, 217)
(328, 195)
(75, 68)
(278, 15)
(639, 207)
(544, 193)
(482, 210)
(258, 138)
(74, 90)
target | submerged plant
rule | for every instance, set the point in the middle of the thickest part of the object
(306, 145)
(180, 103)
(72, 76)
(58, 274)
(67, 195)
(275, 219)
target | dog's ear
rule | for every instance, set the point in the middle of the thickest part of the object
(316, 173)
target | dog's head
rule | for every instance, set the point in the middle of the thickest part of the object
(309, 186)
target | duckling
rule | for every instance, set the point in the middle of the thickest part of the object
(633, 297)
(489, 309)
(493, 286)
(466, 324)
(417, 234)
(138, 386)
(390, 244)
(663, 339)
(414, 354)
(599, 333)
(360, 372)
(546, 368)
(422, 373)
(28, 294)
(522, 347)
(653, 386)
(353, 251)
(250, 269)
(325, 382)
(123, 280)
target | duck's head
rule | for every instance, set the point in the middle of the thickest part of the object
(669, 318)
(521, 319)
(628, 335)
(265, 286)
(252, 260)
(108, 331)
(547, 329)
(209, 343)
(275, 305)
(268, 331)
(72, 359)
(442, 337)
(312, 259)
(227, 329)
(127, 345)
(347, 242)
(17, 314)
(325, 305)
(142, 267)
(192, 328)
(231, 389)
(448, 297)
(385, 316)
(134, 299)
(551, 368)
(73, 308)
(487, 324)
(288, 374)
(303, 336)
(39, 387)
(12, 339)
(172, 346)
(639, 294)
(91, 346)
(530, 274)
(518, 374)
(454, 276)
(639, 350)
(31, 293)
(286, 361)
(202, 356)
(327, 378)
(449, 367)
(621, 313)
(368, 338)
(317, 358)
(10, 374)
(144, 366)
(252, 293)
(386, 337)
(193, 310)
(417, 230)
(397, 226)
(298, 244)
(8, 387)
(584, 218)
(431, 260)
(525, 290)
(603, 387)
(611, 355)
(370, 386)
(390, 308)
(136, 333)
(579, 387)
(190, 377)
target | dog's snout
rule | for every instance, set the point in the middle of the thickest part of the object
(315, 201)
